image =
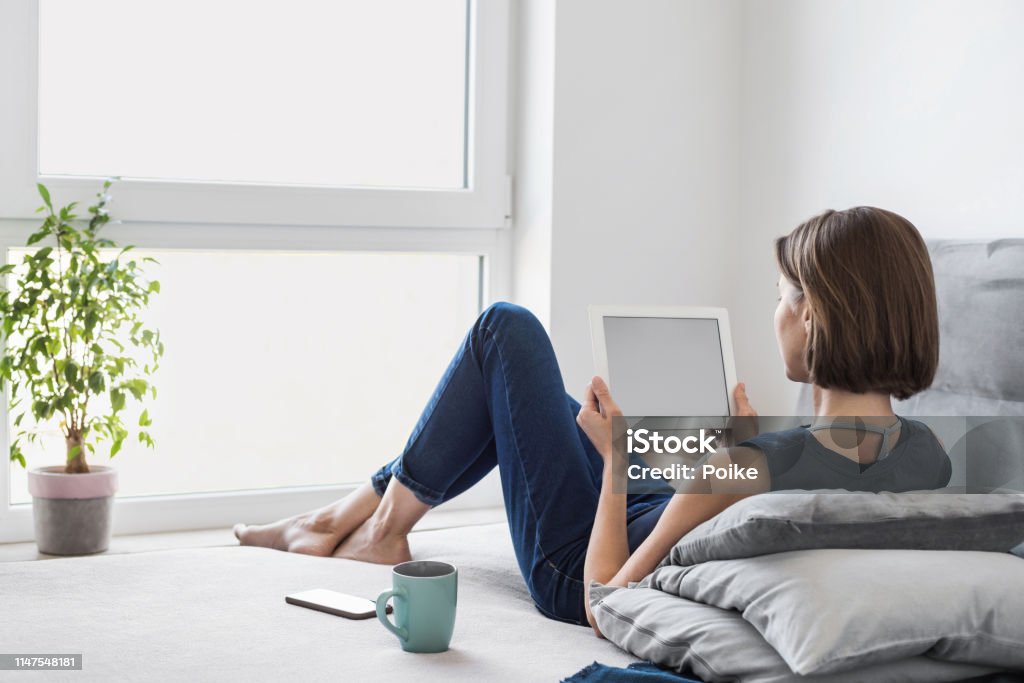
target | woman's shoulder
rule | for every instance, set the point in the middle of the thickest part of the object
(924, 449)
(921, 435)
(782, 448)
(916, 427)
(770, 439)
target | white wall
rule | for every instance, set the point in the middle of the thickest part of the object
(533, 154)
(663, 145)
(645, 160)
(911, 105)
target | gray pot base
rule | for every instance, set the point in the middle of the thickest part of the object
(72, 526)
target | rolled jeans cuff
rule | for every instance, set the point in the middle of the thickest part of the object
(424, 494)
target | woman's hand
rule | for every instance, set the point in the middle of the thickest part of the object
(743, 407)
(743, 424)
(595, 416)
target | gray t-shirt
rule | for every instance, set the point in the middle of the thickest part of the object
(797, 460)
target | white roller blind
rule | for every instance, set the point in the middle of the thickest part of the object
(305, 92)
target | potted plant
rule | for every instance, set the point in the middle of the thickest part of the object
(75, 350)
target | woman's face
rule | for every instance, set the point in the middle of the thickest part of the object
(792, 323)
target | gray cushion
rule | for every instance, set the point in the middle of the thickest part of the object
(718, 645)
(980, 288)
(782, 521)
(829, 610)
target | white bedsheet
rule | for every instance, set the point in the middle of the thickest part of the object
(218, 614)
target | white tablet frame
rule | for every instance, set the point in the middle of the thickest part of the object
(598, 313)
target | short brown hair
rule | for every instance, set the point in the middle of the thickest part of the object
(867, 278)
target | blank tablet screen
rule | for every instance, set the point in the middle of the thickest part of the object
(666, 366)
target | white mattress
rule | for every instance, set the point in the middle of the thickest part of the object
(216, 614)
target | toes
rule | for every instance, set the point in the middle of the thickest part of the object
(240, 530)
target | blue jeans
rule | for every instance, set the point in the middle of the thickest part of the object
(501, 403)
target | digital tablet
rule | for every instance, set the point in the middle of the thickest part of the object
(665, 360)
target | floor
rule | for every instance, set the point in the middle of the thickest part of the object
(211, 538)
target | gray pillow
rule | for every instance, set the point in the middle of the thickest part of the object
(717, 645)
(828, 610)
(786, 520)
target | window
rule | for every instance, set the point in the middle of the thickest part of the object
(286, 369)
(316, 177)
(308, 92)
(389, 113)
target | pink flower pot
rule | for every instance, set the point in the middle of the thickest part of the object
(72, 512)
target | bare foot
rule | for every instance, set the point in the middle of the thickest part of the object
(370, 543)
(313, 533)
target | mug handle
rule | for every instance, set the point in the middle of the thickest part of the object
(382, 613)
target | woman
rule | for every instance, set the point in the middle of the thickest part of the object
(856, 318)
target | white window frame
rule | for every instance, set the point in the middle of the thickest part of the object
(482, 204)
(219, 216)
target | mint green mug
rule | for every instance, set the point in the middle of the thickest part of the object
(424, 592)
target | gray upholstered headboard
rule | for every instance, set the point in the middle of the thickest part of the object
(980, 287)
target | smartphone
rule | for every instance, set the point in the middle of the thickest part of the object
(332, 602)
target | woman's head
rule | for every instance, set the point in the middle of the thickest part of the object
(857, 303)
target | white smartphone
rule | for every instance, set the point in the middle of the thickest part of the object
(332, 602)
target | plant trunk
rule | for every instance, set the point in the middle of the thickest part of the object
(76, 463)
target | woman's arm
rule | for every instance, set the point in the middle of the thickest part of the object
(608, 548)
(608, 560)
(685, 511)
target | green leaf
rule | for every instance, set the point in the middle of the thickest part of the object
(71, 372)
(117, 400)
(144, 420)
(116, 447)
(16, 454)
(41, 410)
(45, 194)
(97, 383)
(154, 286)
(91, 319)
(137, 387)
(37, 237)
